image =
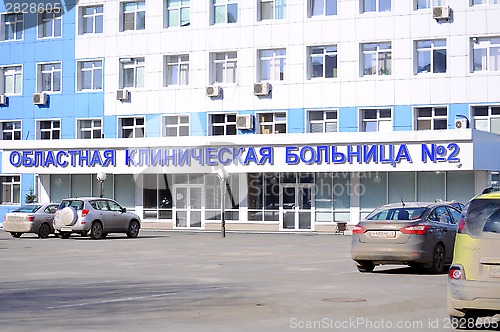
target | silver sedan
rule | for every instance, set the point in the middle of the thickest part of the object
(30, 218)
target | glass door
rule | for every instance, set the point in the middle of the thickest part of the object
(188, 206)
(296, 202)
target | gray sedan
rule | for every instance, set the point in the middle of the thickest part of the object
(417, 234)
(30, 218)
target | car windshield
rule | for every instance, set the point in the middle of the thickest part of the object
(76, 204)
(28, 208)
(397, 213)
(483, 217)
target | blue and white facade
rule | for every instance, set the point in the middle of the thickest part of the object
(317, 111)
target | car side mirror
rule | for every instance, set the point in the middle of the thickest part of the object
(124, 209)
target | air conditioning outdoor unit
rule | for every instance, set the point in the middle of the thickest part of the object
(441, 12)
(461, 123)
(3, 100)
(40, 98)
(244, 121)
(122, 94)
(262, 89)
(213, 91)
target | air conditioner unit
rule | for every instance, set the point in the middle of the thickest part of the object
(3, 100)
(461, 123)
(213, 91)
(441, 12)
(40, 98)
(122, 95)
(244, 121)
(262, 89)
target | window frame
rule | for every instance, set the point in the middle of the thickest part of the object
(324, 9)
(432, 50)
(55, 21)
(324, 122)
(82, 16)
(135, 128)
(272, 124)
(13, 183)
(386, 70)
(5, 71)
(228, 64)
(4, 23)
(426, 4)
(52, 129)
(489, 117)
(227, 123)
(178, 125)
(167, 9)
(40, 75)
(484, 3)
(225, 4)
(378, 119)
(324, 56)
(181, 66)
(486, 42)
(278, 13)
(135, 65)
(432, 118)
(80, 74)
(376, 5)
(136, 14)
(91, 129)
(280, 58)
(12, 131)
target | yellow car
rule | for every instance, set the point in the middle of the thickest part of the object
(474, 277)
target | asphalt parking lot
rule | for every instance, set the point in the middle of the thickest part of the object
(187, 281)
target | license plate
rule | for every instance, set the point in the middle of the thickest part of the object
(495, 272)
(66, 229)
(383, 234)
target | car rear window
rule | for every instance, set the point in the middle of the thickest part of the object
(28, 208)
(483, 217)
(76, 204)
(400, 213)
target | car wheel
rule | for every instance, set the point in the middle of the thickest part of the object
(365, 266)
(68, 216)
(438, 262)
(64, 235)
(96, 230)
(133, 229)
(44, 231)
(16, 234)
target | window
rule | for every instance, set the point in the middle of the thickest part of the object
(223, 124)
(272, 65)
(132, 72)
(272, 9)
(424, 4)
(322, 121)
(11, 130)
(177, 69)
(12, 78)
(485, 2)
(322, 7)
(272, 123)
(377, 59)
(431, 56)
(175, 125)
(225, 11)
(49, 77)
(224, 67)
(12, 26)
(376, 120)
(11, 189)
(91, 19)
(132, 127)
(48, 129)
(89, 128)
(486, 54)
(49, 24)
(432, 118)
(323, 61)
(376, 6)
(89, 75)
(487, 118)
(133, 15)
(177, 13)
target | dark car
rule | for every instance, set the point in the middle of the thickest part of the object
(419, 234)
(30, 218)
